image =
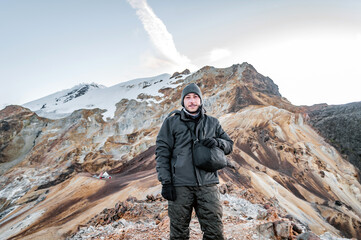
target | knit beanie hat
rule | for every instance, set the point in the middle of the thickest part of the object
(191, 88)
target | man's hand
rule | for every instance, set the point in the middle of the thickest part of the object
(210, 142)
(168, 192)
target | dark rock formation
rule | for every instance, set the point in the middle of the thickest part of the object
(177, 74)
(341, 126)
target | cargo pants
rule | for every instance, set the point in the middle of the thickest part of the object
(206, 203)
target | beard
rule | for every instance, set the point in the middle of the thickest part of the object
(195, 111)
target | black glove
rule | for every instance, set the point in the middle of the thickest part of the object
(168, 192)
(210, 142)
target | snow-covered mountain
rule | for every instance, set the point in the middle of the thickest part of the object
(89, 96)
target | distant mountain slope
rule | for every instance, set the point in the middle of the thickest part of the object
(341, 125)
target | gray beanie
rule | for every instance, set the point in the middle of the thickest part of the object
(191, 88)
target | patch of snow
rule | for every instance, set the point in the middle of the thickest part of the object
(101, 232)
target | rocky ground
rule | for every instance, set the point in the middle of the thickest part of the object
(246, 215)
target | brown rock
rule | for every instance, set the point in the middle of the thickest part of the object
(186, 72)
(115, 218)
(266, 231)
(223, 189)
(117, 206)
(272, 215)
(105, 210)
(162, 215)
(262, 215)
(159, 197)
(132, 199)
(282, 229)
(164, 225)
(296, 228)
(151, 198)
(175, 75)
(230, 186)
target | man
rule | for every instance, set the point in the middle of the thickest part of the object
(183, 184)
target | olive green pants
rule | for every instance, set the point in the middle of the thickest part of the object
(206, 203)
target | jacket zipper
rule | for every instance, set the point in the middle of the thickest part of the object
(196, 134)
(193, 142)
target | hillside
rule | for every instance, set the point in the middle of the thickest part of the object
(340, 124)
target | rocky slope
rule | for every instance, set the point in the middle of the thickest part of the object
(340, 124)
(283, 164)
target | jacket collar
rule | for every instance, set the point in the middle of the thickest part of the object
(184, 117)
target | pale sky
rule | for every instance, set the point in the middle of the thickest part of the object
(310, 49)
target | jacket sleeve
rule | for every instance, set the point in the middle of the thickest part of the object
(224, 141)
(163, 152)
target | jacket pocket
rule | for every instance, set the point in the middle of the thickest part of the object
(184, 171)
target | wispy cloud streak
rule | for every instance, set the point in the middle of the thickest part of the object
(159, 36)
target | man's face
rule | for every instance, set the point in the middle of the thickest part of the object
(192, 102)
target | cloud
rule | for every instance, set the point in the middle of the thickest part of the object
(218, 54)
(160, 37)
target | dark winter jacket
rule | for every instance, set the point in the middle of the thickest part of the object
(174, 149)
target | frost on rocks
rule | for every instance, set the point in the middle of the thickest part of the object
(242, 208)
(148, 219)
(22, 184)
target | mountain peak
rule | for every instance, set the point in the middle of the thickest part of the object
(179, 74)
